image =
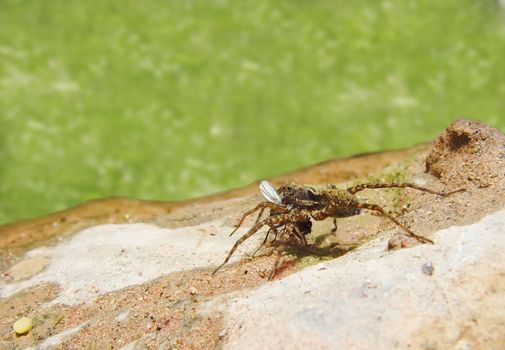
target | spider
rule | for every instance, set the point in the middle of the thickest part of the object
(292, 206)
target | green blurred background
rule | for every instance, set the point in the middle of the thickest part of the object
(175, 99)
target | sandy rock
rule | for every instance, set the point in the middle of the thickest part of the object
(27, 268)
(372, 299)
(106, 258)
(466, 153)
(149, 283)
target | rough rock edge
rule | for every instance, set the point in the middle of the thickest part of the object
(464, 154)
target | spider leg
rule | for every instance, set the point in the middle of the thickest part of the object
(271, 221)
(292, 228)
(288, 229)
(361, 187)
(275, 236)
(251, 232)
(262, 206)
(284, 231)
(334, 229)
(271, 229)
(382, 212)
(299, 234)
(274, 270)
(259, 215)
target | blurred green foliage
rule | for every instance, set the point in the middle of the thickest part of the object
(174, 99)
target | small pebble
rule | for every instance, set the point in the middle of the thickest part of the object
(223, 333)
(23, 325)
(122, 316)
(193, 291)
(428, 268)
(322, 267)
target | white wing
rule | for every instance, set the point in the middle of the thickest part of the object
(269, 192)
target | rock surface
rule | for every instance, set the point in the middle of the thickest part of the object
(106, 258)
(146, 281)
(373, 299)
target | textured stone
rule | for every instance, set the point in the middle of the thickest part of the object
(150, 285)
(374, 299)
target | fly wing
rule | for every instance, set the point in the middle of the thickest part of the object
(269, 192)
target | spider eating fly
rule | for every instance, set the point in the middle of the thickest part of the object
(292, 206)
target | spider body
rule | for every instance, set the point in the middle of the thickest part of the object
(323, 203)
